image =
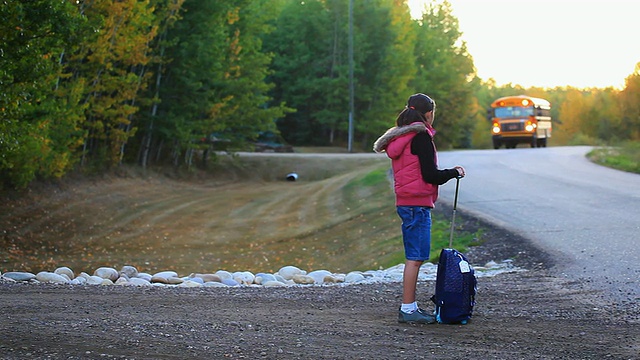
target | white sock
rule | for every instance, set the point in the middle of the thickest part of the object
(409, 308)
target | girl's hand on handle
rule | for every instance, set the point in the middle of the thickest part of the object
(461, 172)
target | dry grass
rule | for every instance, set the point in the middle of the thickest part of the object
(242, 215)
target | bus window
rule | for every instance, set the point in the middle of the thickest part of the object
(513, 112)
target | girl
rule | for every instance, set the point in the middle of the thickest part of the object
(416, 176)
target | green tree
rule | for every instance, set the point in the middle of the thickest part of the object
(445, 69)
(249, 109)
(39, 117)
(166, 14)
(310, 68)
(385, 65)
(216, 79)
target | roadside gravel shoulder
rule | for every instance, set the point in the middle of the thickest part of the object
(521, 315)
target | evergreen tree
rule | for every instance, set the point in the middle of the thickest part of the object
(385, 65)
(444, 71)
(216, 79)
(167, 13)
(310, 69)
(39, 117)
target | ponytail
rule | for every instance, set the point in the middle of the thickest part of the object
(409, 115)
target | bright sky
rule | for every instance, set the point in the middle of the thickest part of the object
(581, 43)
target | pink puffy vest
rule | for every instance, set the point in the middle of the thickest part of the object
(410, 188)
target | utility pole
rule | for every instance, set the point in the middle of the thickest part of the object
(351, 87)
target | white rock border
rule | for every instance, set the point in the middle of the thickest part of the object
(287, 276)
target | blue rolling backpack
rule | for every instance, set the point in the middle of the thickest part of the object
(455, 282)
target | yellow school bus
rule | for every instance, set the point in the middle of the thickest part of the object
(520, 119)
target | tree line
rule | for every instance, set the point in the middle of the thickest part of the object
(592, 116)
(89, 85)
(92, 84)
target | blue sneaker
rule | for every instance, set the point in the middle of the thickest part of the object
(417, 317)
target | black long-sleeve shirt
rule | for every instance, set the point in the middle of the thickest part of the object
(422, 146)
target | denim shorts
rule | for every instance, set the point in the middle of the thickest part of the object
(416, 231)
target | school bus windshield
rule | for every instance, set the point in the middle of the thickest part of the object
(513, 112)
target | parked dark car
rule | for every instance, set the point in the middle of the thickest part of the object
(268, 141)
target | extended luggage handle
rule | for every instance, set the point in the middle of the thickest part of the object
(455, 206)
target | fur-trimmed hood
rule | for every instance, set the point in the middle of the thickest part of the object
(381, 144)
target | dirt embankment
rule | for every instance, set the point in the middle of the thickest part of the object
(244, 216)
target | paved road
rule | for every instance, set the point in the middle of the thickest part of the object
(587, 215)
